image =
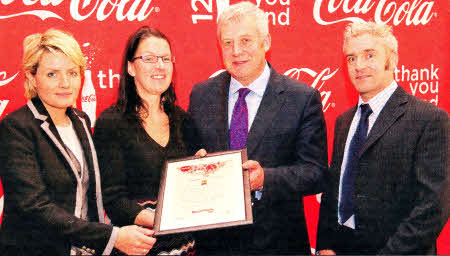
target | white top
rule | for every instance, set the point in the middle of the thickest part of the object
(70, 139)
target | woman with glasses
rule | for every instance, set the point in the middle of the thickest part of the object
(48, 163)
(136, 135)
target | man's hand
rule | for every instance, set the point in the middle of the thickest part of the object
(201, 153)
(145, 218)
(134, 240)
(326, 252)
(256, 174)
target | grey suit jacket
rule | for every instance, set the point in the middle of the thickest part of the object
(401, 174)
(40, 186)
(288, 139)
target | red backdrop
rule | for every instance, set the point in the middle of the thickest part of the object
(306, 45)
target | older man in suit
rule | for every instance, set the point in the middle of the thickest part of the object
(390, 156)
(280, 122)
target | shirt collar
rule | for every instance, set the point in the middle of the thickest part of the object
(377, 103)
(258, 86)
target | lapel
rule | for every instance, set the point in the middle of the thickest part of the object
(79, 125)
(84, 134)
(394, 108)
(221, 106)
(39, 112)
(270, 105)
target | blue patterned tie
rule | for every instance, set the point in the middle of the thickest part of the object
(239, 121)
(348, 179)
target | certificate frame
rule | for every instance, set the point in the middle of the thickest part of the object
(215, 165)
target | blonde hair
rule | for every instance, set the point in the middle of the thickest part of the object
(239, 11)
(51, 40)
(382, 31)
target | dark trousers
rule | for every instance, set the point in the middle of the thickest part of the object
(349, 243)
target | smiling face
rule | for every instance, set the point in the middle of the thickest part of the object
(367, 62)
(57, 80)
(151, 78)
(243, 49)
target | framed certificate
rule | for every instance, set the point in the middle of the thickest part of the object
(200, 193)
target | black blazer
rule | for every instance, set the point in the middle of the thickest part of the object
(288, 139)
(40, 186)
(399, 180)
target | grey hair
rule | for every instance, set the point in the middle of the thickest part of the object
(236, 12)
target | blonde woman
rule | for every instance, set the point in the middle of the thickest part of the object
(48, 163)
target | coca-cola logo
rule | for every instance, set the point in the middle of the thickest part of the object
(319, 81)
(82, 9)
(89, 98)
(416, 12)
(4, 80)
(217, 72)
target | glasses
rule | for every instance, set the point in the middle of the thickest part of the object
(154, 58)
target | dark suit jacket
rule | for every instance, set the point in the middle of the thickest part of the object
(288, 139)
(40, 186)
(402, 168)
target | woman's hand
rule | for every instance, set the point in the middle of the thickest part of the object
(134, 240)
(201, 153)
(326, 252)
(145, 218)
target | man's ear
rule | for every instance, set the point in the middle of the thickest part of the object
(390, 63)
(267, 42)
(390, 60)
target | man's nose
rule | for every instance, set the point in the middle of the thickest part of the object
(237, 49)
(360, 63)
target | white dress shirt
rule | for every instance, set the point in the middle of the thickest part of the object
(253, 99)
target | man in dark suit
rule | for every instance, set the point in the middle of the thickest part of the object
(390, 156)
(283, 129)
